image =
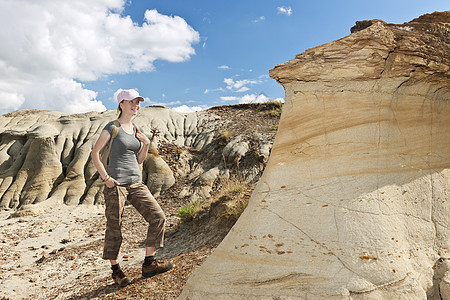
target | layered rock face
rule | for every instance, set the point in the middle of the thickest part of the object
(354, 202)
(45, 155)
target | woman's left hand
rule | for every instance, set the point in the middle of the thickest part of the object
(142, 137)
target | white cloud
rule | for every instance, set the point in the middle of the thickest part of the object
(224, 67)
(51, 46)
(260, 19)
(229, 82)
(69, 96)
(212, 90)
(229, 98)
(204, 40)
(240, 85)
(11, 101)
(286, 10)
(243, 89)
(188, 109)
(250, 98)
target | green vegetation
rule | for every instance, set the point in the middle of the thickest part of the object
(188, 212)
(276, 108)
(274, 127)
(275, 113)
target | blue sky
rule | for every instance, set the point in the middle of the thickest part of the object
(73, 55)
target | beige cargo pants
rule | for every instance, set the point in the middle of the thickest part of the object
(140, 197)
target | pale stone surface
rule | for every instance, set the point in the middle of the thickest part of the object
(354, 201)
(159, 175)
(235, 150)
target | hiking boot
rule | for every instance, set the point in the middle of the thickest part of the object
(120, 278)
(156, 267)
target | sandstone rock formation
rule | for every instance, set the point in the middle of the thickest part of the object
(354, 201)
(45, 155)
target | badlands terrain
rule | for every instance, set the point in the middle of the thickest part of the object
(352, 203)
(52, 250)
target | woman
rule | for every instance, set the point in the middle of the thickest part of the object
(123, 179)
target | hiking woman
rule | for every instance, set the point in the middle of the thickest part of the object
(123, 181)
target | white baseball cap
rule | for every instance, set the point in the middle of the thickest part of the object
(128, 95)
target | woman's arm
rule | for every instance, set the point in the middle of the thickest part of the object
(144, 149)
(95, 155)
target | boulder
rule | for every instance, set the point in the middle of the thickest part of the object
(159, 175)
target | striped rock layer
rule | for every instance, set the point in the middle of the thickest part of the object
(355, 200)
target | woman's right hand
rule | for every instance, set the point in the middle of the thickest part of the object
(111, 182)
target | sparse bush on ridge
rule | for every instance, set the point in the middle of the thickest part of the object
(277, 106)
(274, 105)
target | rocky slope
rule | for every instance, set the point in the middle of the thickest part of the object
(353, 203)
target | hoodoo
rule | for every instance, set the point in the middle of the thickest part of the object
(354, 202)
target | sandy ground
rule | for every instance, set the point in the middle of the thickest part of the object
(55, 253)
(46, 251)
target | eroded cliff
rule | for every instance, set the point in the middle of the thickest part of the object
(354, 201)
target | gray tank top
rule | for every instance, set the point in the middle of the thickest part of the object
(123, 165)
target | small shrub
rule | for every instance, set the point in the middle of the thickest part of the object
(274, 127)
(277, 103)
(224, 137)
(275, 113)
(273, 105)
(234, 188)
(188, 212)
(237, 190)
(225, 134)
(239, 205)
